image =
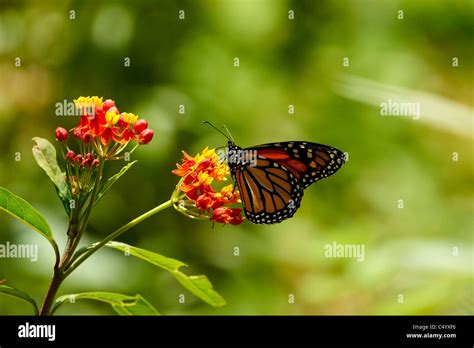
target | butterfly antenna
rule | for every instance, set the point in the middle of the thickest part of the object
(227, 130)
(217, 129)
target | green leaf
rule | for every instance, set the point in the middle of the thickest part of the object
(45, 155)
(24, 211)
(112, 181)
(122, 304)
(199, 285)
(9, 290)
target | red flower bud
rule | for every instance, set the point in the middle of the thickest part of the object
(61, 134)
(140, 126)
(88, 160)
(107, 105)
(77, 133)
(86, 138)
(146, 136)
(95, 163)
(78, 159)
(70, 155)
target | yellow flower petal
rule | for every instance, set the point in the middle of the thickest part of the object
(111, 117)
(130, 118)
(97, 101)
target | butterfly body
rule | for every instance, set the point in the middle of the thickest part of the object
(272, 177)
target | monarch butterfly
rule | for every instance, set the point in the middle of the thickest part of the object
(272, 177)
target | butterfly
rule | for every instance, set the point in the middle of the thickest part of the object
(272, 177)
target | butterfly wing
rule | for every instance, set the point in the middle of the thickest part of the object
(308, 161)
(271, 187)
(270, 193)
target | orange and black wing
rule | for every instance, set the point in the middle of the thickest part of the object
(270, 193)
(271, 187)
(308, 161)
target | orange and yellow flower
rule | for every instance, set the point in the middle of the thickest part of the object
(198, 173)
(102, 124)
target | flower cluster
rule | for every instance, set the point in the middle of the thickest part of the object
(195, 189)
(105, 128)
(102, 133)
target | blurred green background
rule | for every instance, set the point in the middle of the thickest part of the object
(190, 62)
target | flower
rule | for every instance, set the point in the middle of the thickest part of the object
(145, 136)
(107, 129)
(61, 134)
(195, 193)
(227, 215)
(88, 104)
(78, 159)
(130, 118)
(102, 133)
(112, 116)
(140, 126)
(70, 155)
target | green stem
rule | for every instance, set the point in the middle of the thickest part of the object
(57, 255)
(92, 249)
(85, 220)
(74, 235)
(69, 249)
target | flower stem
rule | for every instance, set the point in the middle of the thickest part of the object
(75, 231)
(52, 290)
(76, 237)
(94, 247)
(71, 260)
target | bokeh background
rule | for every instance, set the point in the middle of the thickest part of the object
(423, 251)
